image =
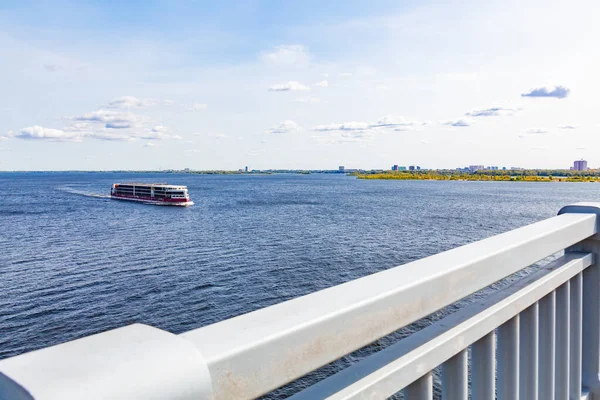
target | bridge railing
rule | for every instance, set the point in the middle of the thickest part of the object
(537, 339)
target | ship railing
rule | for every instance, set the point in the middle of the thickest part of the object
(538, 338)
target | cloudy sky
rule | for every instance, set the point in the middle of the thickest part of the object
(307, 84)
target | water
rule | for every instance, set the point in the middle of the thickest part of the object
(74, 263)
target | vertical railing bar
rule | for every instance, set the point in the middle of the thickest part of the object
(576, 336)
(563, 327)
(455, 377)
(421, 389)
(528, 353)
(547, 341)
(508, 360)
(483, 366)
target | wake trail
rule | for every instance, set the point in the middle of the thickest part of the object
(83, 193)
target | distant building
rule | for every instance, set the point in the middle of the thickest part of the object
(418, 168)
(474, 168)
(342, 168)
(402, 168)
(492, 168)
(503, 168)
(394, 168)
(246, 169)
(186, 170)
(411, 168)
(580, 165)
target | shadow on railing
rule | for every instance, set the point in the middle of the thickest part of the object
(537, 339)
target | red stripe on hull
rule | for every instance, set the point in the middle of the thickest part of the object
(149, 199)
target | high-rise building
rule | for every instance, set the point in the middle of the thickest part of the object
(411, 168)
(418, 168)
(474, 168)
(342, 168)
(580, 165)
(402, 168)
(246, 169)
(394, 168)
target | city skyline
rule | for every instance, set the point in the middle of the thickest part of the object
(147, 86)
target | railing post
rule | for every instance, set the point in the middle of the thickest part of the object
(528, 353)
(421, 389)
(590, 373)
(508, 360)
(483, 364)
(547, 346)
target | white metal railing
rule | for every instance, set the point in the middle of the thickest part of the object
(538, 339)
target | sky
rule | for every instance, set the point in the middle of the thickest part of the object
(147, 85)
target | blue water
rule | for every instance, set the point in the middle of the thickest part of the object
(73, 263)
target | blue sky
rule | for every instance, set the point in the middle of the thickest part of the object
(147, 85)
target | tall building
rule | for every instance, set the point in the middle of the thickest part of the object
(474, 168)
(246, 169)
(342, 168)
(411, 168)
(580, 165)
(394, 168)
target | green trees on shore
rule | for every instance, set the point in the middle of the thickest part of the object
(487, 175)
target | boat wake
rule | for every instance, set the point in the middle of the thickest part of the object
(83, 193)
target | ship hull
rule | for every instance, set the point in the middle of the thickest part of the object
(149, 200)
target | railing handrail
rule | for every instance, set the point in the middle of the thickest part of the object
(265, 349)
(249, 355)
(385, 372)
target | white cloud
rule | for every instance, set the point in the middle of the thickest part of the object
(126, 102)
(357, 131)
(399, 123)
(40, 133)
(558, 92)
(110, 136)
(118, 125)
(307, 100)
(287, 126)
(198, 107)
(159, 128)
(150, 144)
(322, 84)
(492, 112)
(111, 119)
(568, 126)
(536, 131)
(463, 122)
(286, 55)
(288, 86)
(347, 126)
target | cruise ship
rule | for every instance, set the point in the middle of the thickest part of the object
(152, 193)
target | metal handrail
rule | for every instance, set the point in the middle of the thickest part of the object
(247, 356)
